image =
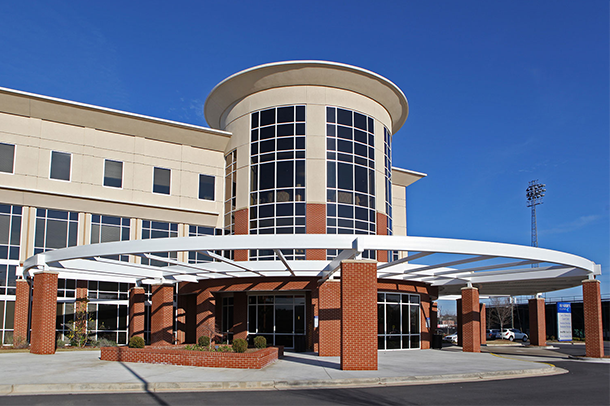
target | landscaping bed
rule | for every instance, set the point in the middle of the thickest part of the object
(178, 355)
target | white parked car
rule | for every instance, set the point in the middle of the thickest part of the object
(453, 338)
(513, 334)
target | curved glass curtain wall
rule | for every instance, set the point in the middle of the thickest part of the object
(350, 186)
(387, 150)
(277, 176)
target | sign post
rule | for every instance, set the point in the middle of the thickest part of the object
(564, 321)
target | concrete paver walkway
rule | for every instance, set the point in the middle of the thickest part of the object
(83, 371)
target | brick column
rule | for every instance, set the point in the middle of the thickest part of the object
(22, 310)
(471, 322)
(240, 315)
(242, 223)
(460, 323)
(206, 316)
(537, 321)
(162, 315)
(137, 311)
(359, 315)
(315, 222)
(592, 306)
(80, 307)
(44, 313)
(382, 229)
(329, 319)
(483, 323)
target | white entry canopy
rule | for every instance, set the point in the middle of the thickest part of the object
(450, 264)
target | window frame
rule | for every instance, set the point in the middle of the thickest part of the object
(213, 188)
(122, 174)
(51, 166)
(14, 158)
(169, 192)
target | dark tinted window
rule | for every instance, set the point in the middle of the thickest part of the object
(161, 181)
(206, 187)
(113, 173)
(7, 156)
(60, 165)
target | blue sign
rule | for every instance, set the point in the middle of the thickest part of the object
(564, 321)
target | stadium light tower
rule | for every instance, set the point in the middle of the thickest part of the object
(534, 193)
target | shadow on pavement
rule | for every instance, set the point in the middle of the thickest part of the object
(311, 361)
(146, 388)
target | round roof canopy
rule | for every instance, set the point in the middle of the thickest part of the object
(305, 73)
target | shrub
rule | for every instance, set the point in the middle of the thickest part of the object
(104, 342)
(136, 342)
(204, 341)
(20, 342)
(240, 345)
(260, 342)
(60, 343)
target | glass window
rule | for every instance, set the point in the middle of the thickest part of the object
(60, 165)
(277, 171)
(110, 229)
(7, 157)
(206, 187)
(161, 180)
(398, 324)
(350, 168)
(55, 229)
(113, 173)
(158, 229)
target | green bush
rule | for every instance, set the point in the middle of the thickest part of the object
(104, 342)
(260, 342)
(60, 343)
(240, 345)
(204, 341)
(136, 342)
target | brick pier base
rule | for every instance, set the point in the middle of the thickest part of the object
(359, 315)
(44, 312)
(592, 304)
(471, 327)
(162, 315)
(537, 316)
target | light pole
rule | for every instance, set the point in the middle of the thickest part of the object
(534, 193)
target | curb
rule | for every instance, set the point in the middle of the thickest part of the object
(39, 389)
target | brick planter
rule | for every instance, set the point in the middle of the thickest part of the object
(179, 356)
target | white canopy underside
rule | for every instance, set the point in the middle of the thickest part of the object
(495, 268)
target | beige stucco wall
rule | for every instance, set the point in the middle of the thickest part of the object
(316, 98)
(399, 210)
(30, 184)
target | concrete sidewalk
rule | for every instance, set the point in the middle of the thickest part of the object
(83, 371)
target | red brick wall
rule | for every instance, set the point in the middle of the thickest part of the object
(44, 312)
(483, 323)
(22, 308)
(382, 229)
(173, 356)
(537, 321)
(471, 327)
(241, 228)
(315, 221)
(359, 315)
(137, 312)
(162, 315)
(593, 318)
(329, 332)
(240, 315)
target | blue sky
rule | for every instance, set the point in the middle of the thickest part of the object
(500, 93)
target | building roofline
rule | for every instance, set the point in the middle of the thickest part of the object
(405, 177)
(303, 73)
(124, 125)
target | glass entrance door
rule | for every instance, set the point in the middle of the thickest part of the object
(279, 318)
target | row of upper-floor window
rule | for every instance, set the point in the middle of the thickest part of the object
(60, 168)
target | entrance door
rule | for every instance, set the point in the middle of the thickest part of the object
(279, 318)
